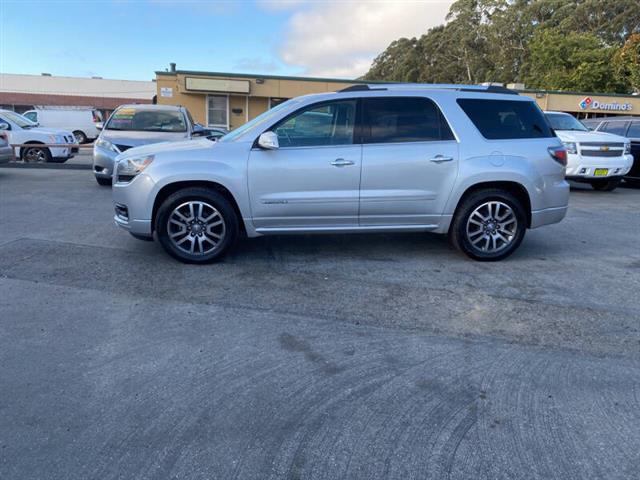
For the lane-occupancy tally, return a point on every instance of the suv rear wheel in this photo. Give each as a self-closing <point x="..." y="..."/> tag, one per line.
<point x="606" y="185"/>
<point x="197" y="225"/>
<point x="489" y="225"/>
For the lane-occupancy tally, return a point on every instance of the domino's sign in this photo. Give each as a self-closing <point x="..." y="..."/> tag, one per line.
<point x="589" y="103"/>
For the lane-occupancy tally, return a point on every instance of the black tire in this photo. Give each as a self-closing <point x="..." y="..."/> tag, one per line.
<point x="459" y="237"/>
<point x="606" y="185"/>
<point x="632" y="182"/>
<point x="213" y="199"/>
<point x="105" y="182"/>
<point x="80" y="136"/>
<point x="35" y="154"/>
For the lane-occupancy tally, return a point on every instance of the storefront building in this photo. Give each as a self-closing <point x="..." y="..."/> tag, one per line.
<point x="229" y="100"/>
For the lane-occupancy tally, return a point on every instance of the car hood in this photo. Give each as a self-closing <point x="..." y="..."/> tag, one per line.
<point x="48" y="131"/>
<point x="168" y="147"/>
<point x="135" y="139"/>
<point x="581" y="137"/>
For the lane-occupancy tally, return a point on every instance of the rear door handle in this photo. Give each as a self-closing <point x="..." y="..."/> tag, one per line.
<point x="341" y="162"/>
<point x="441" y="159"/>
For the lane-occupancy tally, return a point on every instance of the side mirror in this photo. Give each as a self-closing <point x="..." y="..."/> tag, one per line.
<point x="198" y="131"/>
<point x="99" y="125"/>
<point x="268" y="141"/>
<point x="5" y="126"/>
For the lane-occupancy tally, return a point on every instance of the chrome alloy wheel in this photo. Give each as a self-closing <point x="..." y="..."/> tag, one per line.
<point x="196" y="228"/>
<point x="35" y="155"/>
<point x="492" y="227"/>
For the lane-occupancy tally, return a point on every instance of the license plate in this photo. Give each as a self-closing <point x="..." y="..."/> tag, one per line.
<point x="600" y="172"/>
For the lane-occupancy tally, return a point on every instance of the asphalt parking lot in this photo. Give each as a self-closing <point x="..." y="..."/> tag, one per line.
<point x="305" y="357"/>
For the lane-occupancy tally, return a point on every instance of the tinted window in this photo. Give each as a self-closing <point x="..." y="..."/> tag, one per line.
<point x="327" y="124"/>
<point x="617" y="128"/>
<point x="132" y="119"/>
<point x="504" y="119"/>
<point x="403" y="119"/>
<point x="634" y="130"/>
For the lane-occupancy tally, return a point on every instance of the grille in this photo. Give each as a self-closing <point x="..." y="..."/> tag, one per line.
<point x="123" y="148"/>
<point x="602" y="144"/>
<point x="600" y="153"/>
<point x="122" y="211"/>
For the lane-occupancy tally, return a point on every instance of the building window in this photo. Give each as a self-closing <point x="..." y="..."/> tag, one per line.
<point x="218" y="111"/>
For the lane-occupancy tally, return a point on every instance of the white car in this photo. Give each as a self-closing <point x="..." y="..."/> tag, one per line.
<point x="80" y="121"/>
<point x="21" y="130"/>
<point x="598" y="158"/>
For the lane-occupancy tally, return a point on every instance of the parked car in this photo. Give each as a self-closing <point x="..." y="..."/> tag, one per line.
<point x="598" y="158"/>
<point x="134" y="125"/>
<point x="21" y="130"/>
<point x="5" y="149"/>
<point x="82" y="122"/>
<point x="625" y="126"/>
<point x="212" y="133"/>
<point x="480" y="164"/>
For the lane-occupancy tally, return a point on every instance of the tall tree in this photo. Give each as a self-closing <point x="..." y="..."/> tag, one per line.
<point x="627" y="62"/>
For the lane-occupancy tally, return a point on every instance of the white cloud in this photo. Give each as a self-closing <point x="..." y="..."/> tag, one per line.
<point x="341" y="38"/>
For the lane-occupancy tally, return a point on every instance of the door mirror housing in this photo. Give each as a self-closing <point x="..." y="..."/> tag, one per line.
<point x="5" y="126"/>
<point x="99" y="125"/>
<point x="268" y="141"/>
<point x="199" y="131"/>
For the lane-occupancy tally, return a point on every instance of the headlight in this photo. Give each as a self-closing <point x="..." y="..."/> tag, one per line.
<point x="571" y="147"/>
<point x="107" y="145"/>
<point x="627" y="148"/>
<point x="128" y="168"/>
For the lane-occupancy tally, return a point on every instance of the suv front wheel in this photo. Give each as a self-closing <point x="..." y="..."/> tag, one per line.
<point x="197" y="225"/>
<point x="489" y="225"/>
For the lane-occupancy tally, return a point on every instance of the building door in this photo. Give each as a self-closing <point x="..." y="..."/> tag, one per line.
<point x="218" y="111"/>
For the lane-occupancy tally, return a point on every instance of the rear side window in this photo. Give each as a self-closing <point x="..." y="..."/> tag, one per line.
<point x="617" y="128"/>
<point x="506" y="119"/>
<point x="403" y="119"/>
<point x="634" y="130"/>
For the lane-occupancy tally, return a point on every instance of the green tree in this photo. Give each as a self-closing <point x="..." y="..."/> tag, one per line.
<point x="627" y="62"/>
<point x="570" y="61"/>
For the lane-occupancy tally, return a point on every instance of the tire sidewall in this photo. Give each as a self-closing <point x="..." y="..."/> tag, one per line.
<point x="473" y="202"/>
<point x="83" y="137"/>
<point x="47" y="153"/>
<point x="200" y="194"/>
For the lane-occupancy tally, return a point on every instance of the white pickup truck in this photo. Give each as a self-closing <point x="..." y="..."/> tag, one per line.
<point x="598" y="158"/>
<point x="21" y="130"/>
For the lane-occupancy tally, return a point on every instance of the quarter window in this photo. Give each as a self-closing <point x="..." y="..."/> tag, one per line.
<point x="319" y="125"/>
<point x="217" y="110"/>
<point x="403" y="119"/>
<point x="506" y="119"/>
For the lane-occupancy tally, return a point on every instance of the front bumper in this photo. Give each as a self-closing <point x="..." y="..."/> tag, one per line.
<point x="133" y="205"/>
<point x="580" y="167"/>
<point x="103" y="162"/>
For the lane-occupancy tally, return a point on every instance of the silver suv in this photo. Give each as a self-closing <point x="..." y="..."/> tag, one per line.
<point x="480" y="164"/>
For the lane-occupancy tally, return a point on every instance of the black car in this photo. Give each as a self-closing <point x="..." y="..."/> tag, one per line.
<point x="627" y="127"/>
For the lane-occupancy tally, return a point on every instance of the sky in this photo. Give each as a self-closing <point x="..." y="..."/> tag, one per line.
<point x="131" y="39"/>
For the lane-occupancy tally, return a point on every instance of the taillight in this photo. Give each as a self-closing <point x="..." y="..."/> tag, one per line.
<point x="559" y="154"/>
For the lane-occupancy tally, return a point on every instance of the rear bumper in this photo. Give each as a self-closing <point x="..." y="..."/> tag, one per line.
<point x="547" y="216"/>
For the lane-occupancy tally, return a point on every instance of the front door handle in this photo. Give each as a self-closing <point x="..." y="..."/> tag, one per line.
<point x="441" y="159"/>
<point x="341" y="162"/>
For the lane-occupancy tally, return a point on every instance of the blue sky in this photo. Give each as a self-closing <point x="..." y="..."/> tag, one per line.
<point x="131" y="39"/>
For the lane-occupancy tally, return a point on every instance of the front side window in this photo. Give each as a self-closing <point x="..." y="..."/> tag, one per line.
<point x="617" y="128"/>
<point x="403" y="119"/>
<point x="319" y="125"/>
<point x="142" y="120"/>
<point x="19" y="120"/>
<point x="506" y="119"/>
<point x="217" y="110"/>
<point x="634" y="130"/>
<point x="33" y="116"/>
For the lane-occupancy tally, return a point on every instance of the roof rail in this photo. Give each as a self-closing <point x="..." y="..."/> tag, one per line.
<point x="431" y="86"/>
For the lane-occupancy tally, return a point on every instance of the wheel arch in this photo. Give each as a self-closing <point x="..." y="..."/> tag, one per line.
<point x="173" y="187"/>
<point x="517" y="189"/>
<point x="30" y="142"/>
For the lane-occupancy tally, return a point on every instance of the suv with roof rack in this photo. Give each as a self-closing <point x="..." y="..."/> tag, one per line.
<point x="480" y="164"/>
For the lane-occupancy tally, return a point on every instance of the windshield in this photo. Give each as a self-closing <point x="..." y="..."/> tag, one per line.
<point x="141" y="120"/>
<point x="19" y="120"/>
<point x="561" y="121"/>
<point x="261" y="119"/>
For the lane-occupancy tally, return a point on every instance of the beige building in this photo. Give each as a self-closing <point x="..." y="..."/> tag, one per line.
<point x="229" y="100"/>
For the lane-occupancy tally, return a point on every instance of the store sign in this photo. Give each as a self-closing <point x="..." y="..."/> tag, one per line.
<point x="216" y="85"/>
<point x="166" y="92"/>
<point x="589" y="103"/>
